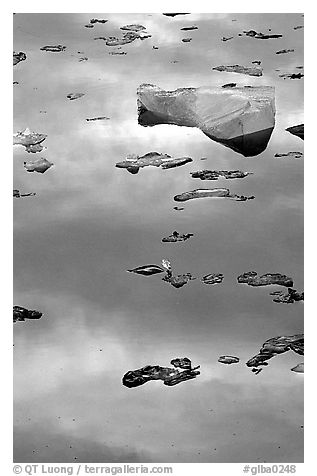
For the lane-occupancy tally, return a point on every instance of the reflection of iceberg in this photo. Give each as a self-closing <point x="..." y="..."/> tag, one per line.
<point x="241" y="118"/>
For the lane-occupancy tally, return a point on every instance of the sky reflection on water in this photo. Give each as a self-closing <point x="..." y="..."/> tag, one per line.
<point x="90" y="222"/>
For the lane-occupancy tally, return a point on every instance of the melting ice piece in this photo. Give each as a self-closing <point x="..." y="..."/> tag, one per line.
<point x="210" y="193"/>
<point x="170" y="376"/>
<point x="216" y="278"/>
<point x="96" y="20"/>
<point x="178" y="208"/>
<point x="252" y="279"/>
<point x="54" y="48"/>
<point x="174" y="14"/>
<point x="236" y="68"/>
<point x="275" y="346"/>
<point x="291" y="75"/>
<point x="38" y="165"/>
<point x="281" y="52"/>
<point x="147" y="270"/>
<point x="224" y="38"/>
<point x="297" y="130"/>
<point x="28" y="138"/>
<point x="293" y="155"/>
<point x="100" y="118"/>
<point x="229" y="85"/>
<point x="17" y="194"/>
<point x="188" y="28"/>
<point x="128" y="37"/>
<point x="134" y="163"/>
<point x="186" y="40"/>
<point x="290" y="297"/>
<point x="73" y="96"/>
<point x="299" y="368"/>
<point x="228" y="359"/>
<point x="261" y="36"/>
<point x="21" y="313"/>
<point x="241" y="118"/>
<point x="177" y="281"/>
<point x="17" y="57"/>
<point x="175" y="236"/>
<point x="216" y="174"/>
<point x="298" y="27"/>
<point x="132" y="27"/>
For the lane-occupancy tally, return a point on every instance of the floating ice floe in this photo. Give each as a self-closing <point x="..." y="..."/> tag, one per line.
<point x="289" y="298"/>
<point x="276" y="346"/>
<point x="252" y="279"/>
<point x="21" y="314"/>
<point x="182" y="370"/>
<point x="216" y="174"/>
<point x="133" y="163"/>
<point x="236" y="68"/>
<point x="212" y="278"/>
<point x="211" y="193"/>
<point x="38" y="165"/>
<point x="228" y="359"/>
<point x="175" y="236"/>
<point x="17" y="57"/>
<point x="54" y="48"/>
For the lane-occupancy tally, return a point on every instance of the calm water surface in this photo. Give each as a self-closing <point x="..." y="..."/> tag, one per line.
<point x="90" y="221"/>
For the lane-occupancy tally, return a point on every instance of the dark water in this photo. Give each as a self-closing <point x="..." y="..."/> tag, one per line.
<point x="91" y="221"/>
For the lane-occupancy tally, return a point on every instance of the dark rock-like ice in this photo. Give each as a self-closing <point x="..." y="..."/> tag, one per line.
<point x="17" y="57"/>
<point x="21" y="314"/>
<point x="252" y="279"/>
<point x="241" y="118"/>
<point x="236" y="68"/>
<point x="210" y="193"/>
<point x="289" y="298"/>
<point x="147" y="270"/>
<point x="224" y="38"/>
<point x="38" y="165"/>
<point x="228" y="359"/>
<point x="133" y="163"/>
<point x="170" y="376"/>
<point x="298" y="27"/>
<point x="186" y="40"/>
<point x="297" y="130"/>
<point x="216" y="174"/>
<point x="212" y="278"/>
<point x="175" y="236"/>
